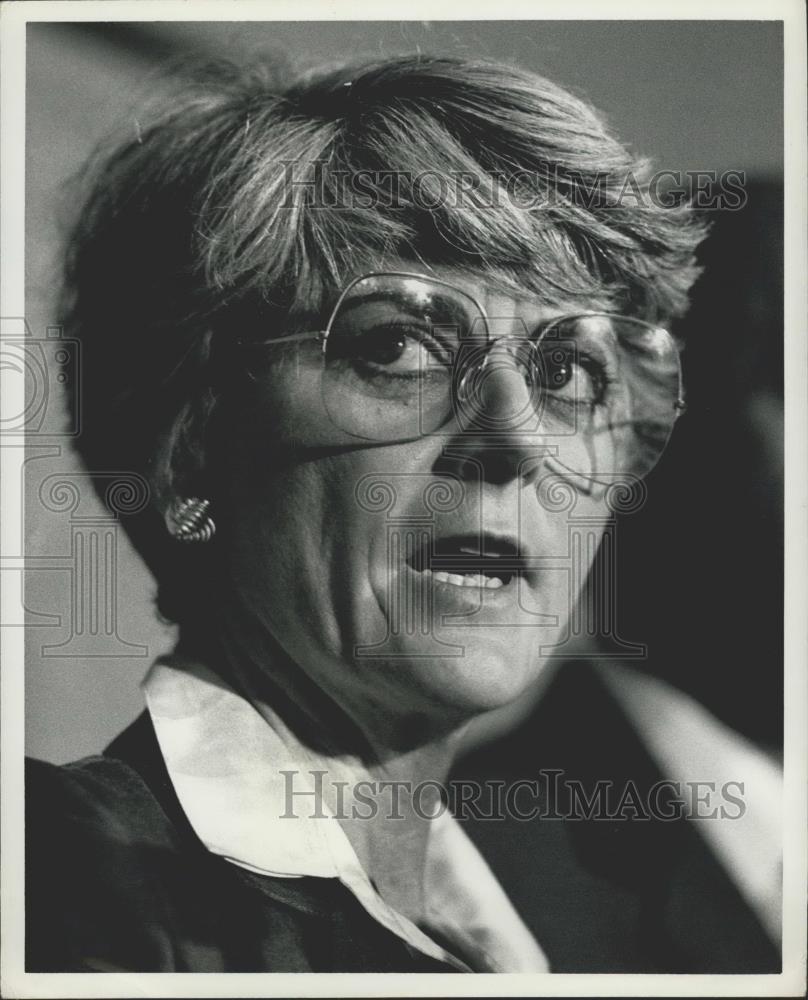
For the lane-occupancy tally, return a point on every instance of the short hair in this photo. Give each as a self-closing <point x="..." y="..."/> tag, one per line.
<point x="202" y="214"/>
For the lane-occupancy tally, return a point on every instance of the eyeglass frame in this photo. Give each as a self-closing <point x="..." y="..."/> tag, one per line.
<point x="679" y="404"/>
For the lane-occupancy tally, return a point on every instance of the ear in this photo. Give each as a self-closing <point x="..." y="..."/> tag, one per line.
<point x="180" y="465"/>
<point x="179" y="460"/>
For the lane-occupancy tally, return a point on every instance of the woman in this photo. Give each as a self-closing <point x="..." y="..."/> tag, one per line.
<point x="363" y="332"/>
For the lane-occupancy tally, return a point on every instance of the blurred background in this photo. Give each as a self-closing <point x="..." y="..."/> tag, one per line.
<point x="700" y="566"/>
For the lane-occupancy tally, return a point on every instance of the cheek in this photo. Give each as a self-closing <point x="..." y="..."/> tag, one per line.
<point x="277" y="547"/>
<point x="569" y="532"/>
<point x="300" y="549"/>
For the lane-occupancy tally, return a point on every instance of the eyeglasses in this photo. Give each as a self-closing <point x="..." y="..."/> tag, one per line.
<point x="403" y="355"/>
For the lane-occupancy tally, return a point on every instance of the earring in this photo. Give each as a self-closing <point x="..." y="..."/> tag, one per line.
<point x="187" y="520"/>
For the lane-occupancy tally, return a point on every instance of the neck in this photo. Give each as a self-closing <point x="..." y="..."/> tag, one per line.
<point x="383" y="776"/>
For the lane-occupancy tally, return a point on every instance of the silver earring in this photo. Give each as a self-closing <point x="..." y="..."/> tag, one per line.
<point x="187" y="520"/>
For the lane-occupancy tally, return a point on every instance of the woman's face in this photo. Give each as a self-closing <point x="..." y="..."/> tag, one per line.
<point x="428" y="578"/>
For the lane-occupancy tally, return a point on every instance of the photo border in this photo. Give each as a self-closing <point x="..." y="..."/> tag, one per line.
<point x="791" y="982"/>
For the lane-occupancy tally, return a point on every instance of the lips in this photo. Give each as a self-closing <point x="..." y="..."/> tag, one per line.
<point x="484" y="560"/>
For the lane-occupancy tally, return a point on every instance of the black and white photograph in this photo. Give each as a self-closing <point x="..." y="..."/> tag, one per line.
<point x="404" y="488"/>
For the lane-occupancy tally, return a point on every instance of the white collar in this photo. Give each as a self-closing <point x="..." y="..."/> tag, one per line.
<point x="225" y="760"/>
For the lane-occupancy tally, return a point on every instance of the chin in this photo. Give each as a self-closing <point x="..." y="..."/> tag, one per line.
<point x="463" y="682"/>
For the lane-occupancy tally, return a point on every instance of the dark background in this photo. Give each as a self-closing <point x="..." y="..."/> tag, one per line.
<point x="700" y="564"/>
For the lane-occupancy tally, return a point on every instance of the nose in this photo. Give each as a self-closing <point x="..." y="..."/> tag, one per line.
<point x="498" y="390"/>
<point x="497" y="416"/>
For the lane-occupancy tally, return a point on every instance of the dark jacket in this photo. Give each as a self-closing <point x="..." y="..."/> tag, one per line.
<point x="117" y="879"/>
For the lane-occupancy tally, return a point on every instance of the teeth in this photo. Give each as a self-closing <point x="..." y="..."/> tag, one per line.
<point x="467" y="580"/>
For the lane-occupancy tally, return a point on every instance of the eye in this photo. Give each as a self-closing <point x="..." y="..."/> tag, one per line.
<point x="570" y="377"/>
<point x="394" y="347"/>
<point x="376" y="337"/>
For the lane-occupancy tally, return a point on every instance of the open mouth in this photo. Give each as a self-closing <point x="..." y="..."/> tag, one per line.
<point x="485" y="560"/>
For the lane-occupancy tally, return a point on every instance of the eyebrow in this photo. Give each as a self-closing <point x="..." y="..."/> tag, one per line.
<point x="437" y="302"/>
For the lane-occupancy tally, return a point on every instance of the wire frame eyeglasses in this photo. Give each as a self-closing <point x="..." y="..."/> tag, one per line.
<point x="404" y="355"/>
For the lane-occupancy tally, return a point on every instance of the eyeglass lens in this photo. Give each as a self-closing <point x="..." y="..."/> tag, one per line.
<point x="405" y="355"/>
